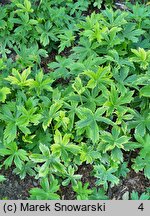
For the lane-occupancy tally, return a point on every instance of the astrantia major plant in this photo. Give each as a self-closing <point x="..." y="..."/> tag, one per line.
<point x="74" y="92"/>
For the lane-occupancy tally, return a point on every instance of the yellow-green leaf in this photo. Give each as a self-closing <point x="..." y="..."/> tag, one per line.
<point x="3" y="93"/>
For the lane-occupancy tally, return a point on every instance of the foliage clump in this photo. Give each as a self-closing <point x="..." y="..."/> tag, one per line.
<point x="49" y="129"/>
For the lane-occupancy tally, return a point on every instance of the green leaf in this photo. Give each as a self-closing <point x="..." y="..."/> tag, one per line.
<point x="71" y="177"/>
<point x="88" y="154"/>
<point x="20" y="80"/>
<point x="10" y="132"/>
<point x="147" y="171"/>
<point x="41" y="83"/>
<point x="82" y="191"/>
<point x="98" y="194"/>
<point x="51" y="114"/>
<point x="117" y="155"/>
<point x="3" y="93"/>
<point x="18" y="162"/>
<point x="45" y="150"/>
<point x="37" y="158"/>
<point x="48" y="190"/>
<point x="51" y="162"/>
<point x="131" y="33"/>
<point x="2" y="178"/>
<point x="18" y="155"/>
<point x="66" y="40"/>
<point x="142" y="57"/>
<point x="135" y="196"/>
<point x="63" y="147"/>
<point x="105" y="175"/>
<point x="145" y="91"/>
<point x="78" y="86"/>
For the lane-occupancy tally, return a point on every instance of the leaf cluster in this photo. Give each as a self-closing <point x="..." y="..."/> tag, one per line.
<point x="49" y="130"/>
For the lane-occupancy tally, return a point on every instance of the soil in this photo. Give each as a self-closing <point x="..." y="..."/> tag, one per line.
<point x="13" y="188"/>
<point x="133" y="182"/>
<point x="3" y="2"/>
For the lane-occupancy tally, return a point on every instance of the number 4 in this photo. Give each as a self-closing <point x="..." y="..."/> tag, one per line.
<point x="141" y="207"/>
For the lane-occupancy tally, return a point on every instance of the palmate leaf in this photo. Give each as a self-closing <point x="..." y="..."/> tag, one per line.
<point x="84" y="50"/>
<point x="9" y="117"/>
<point x="47" y="191"/>
<point x="71" y="177"/>
<point x="118" y="102"/>
<point x="135" y="196"/>
<point x="15" y="154"/>
<point x="71" y="110"/>
<point x="61" y="66"/>
<point x="123" y="78"/>
<point x="98" y="194"/>
<point x="139" y="12"/>
<point x="96" y="33"/>
<point x="90" y="63"/>
<point x="100" y="78"/>
<point x="123" y="170"/>
<point x="105" y="175"/>
<point x="25" y="7"/>
<point x="66" y="39"/>
<point x="113" y="139"/>
<point x="131" y="32"/>
<point x="18" y="117"/>
<point x="142" y="162"/>
<point x="28" y="55"/>
<point x="62" y="120"/>
<point x="88" y="154"/>
<point x="89" y="122"/>
<point x="20" y="80"/>
<point x="50" y="161"/>
<point x="79" y="6"/>
<point x="142" y="57"/>
<point x="111" y="38"/>
<point x="82" y="191"/>
<point x="46" y="32"/>
<point x="92" y="98"/>
<point x="62" y="146"/>
<point x="53" y="111"/>
<point x="90" y="21"/>
<point x="41" y="83"/>
<point x="113" y="56"/>
<point x="140" y="122"/>
<point x="114" y="18"/>
<point x="28" y="116"/>
<point x="98" y="3"/>
<point x="27" y="168"/>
